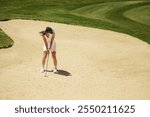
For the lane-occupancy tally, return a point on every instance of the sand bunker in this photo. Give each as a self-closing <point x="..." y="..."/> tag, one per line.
<point x="103" y="64"/>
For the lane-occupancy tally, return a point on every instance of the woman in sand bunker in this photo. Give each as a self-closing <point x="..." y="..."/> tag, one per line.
<point x="49" y="46"/>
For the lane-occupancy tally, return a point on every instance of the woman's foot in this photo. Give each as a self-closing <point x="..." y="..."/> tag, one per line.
<point x="42" y="70"/>
<point x="55" y="70"/>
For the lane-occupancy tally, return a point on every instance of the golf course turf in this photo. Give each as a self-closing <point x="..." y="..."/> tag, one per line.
<point x="126" y="16"/>
<point x="5" y="41"/>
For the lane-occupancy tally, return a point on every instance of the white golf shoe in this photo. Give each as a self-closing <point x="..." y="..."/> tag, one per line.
<point x="42" y="70"/>
<point x="55" y="71"/>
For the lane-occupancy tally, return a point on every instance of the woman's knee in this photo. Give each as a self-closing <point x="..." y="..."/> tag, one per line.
<point x="54" y="55"/>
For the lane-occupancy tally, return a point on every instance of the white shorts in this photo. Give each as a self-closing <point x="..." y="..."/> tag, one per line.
<point x="53" y="48"/>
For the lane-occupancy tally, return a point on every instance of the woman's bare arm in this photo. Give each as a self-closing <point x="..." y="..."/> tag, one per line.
<point x="45" y="42"/>
<point x="52" y="39"/>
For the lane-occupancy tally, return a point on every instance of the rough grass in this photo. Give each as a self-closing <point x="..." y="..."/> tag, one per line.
<point x="5" y="41"/>
<point x="127" y="16"/>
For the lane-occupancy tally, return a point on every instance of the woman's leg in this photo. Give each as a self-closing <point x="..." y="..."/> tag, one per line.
<point x="44" y="60"/>
<point x="44" y="57"/>
<point x="54" y="59"/>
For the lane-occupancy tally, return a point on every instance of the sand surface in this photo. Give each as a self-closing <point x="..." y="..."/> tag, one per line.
<point x="103" y="64"/>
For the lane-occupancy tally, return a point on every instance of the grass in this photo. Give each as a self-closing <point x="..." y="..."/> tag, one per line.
<point x="127" y="16"/>
<point x="5" y="41"/>
<point x="144" y="12"/>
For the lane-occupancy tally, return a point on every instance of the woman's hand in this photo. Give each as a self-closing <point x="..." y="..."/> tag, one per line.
<point x="47" y="51"/>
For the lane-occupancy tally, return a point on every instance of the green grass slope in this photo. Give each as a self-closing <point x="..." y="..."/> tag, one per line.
<point x="126" y="16"/>
<point x="5" y="41"/>
<point x="139" y="14"/>
<point x="116" y="13"/>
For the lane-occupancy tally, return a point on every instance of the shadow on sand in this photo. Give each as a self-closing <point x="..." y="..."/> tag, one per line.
<point x="61" y="72"/>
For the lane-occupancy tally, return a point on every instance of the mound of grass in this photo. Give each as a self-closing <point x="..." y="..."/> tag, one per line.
<point x="139" y="14"/>
<point x="116" y="14"/>
<point x="126" y="16"/>
<point x="5" y="41"/>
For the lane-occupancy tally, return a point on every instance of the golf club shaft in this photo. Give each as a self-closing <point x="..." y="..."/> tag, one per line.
<point x="46" y="65"/>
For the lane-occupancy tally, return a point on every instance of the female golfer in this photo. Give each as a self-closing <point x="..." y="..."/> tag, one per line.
<point x="49" y="46"/>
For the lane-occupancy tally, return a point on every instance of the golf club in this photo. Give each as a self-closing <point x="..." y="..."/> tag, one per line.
<point x="45" y="75"/>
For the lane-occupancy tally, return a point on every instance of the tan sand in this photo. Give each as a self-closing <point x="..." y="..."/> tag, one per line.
<point x="103" y="64"/>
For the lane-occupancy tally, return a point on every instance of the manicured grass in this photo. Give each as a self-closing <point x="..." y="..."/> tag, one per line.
<point x="139" y="14"/>
<point x="5" y="41"/>
<point x="126" y="16"/>
<point x="113" y="14"/>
